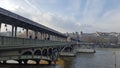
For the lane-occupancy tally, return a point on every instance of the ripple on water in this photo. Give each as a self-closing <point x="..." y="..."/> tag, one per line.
<point x="103" y="58"/>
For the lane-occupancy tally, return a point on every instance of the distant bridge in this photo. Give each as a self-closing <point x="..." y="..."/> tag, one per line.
<point x="45" y="44"/>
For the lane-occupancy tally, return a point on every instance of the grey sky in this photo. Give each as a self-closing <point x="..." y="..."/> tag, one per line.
<point x="69" y="15"/>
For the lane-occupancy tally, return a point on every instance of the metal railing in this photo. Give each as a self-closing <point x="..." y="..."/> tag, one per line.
<point x="14" y="41"/>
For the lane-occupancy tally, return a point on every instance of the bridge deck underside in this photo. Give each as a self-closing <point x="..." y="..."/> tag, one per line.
<point x="16" y="57"/>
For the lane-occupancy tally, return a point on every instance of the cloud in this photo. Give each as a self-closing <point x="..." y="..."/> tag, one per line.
<point x="111" y="20"/>
<point x="91" y="17"/>
<point x="57" y="22"/>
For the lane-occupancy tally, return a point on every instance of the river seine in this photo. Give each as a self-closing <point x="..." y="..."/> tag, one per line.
<point x="103" y="58"/>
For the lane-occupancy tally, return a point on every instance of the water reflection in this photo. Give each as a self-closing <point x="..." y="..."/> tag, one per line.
<point x="103" y="58"/>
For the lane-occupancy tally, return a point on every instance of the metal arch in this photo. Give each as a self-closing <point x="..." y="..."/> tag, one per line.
<point x="38" y="52"/>
<point x="27" y="53"/>
<point x="49" y="51"/>
<point x="43" y="51"/>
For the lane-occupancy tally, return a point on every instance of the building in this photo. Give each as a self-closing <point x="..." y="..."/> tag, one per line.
<point x="74" y="35"/>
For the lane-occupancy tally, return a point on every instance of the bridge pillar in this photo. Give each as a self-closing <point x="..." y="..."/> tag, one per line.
<point x="36" y="35"/>
<point x="42" y="35"/>
<point x="48" y="36"/>
<point x="26" y="33"/>
<point x="51" y="38"/>
<point x="15" y="31"/>
<point x="49" y="62"/>
<point x="4" y="62"/>
<point x="12" y="30"/>
<point x="56" y="38"/>
<point x="25" y="61"/>
<point x="20" y="61"/>
<point x="0" y="26"/>
<point x="37" y="61"/>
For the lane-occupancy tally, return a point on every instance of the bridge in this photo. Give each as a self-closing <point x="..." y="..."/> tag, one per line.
<point x="43" y="44"/>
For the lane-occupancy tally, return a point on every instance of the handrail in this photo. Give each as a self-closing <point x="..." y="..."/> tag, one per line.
<point x="8" y="41"/>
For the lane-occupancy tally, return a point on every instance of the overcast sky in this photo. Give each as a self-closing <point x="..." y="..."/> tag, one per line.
<point x="69" y="15"/>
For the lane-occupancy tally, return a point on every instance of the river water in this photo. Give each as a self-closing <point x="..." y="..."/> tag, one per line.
<point x="103" y="58"/>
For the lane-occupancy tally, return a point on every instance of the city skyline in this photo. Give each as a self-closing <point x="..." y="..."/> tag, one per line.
<point x="69" y="15"/>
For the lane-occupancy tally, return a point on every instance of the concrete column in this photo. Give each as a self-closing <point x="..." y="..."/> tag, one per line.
<point x="56" y="38"/>
<point x="42" y="35"/>
<point x="52" y="37"/>
<point x="45" y="36"/>
<point x="4" y="62"/>
<point x="25" y="61"/>
<point x="49" y="62"/>
<point x="59" y="38"/>
<point x="36" y="35"/>
<point x="26" y="33"/>
<point x="20" y="61"/>
<point x="37" y="61"/>
<point x="48" y="36"/>
<point x="64" y="39"/>
<point x="15" y="31"/>
<point x="0" y="27"/>
<point x="12" y="30"/>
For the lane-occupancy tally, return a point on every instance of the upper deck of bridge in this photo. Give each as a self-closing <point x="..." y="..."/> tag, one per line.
<point x="10" y="18"/>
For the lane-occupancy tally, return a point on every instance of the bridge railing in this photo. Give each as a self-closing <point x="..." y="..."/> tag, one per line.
<point x="9" y="41"/>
